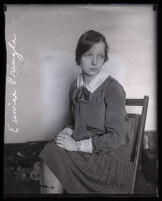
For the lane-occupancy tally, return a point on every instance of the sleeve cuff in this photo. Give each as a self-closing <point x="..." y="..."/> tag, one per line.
<point x="86" y="145"/>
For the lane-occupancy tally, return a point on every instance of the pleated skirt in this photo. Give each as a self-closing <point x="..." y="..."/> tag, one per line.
<point x="82" y="173"/>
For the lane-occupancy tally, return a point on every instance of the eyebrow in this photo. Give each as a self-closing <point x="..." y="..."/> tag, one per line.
<point x="92" y="53"/>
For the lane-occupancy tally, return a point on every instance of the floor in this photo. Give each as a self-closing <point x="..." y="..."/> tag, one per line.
<point x="145" y="186"/>
<point x="13" y="185"/>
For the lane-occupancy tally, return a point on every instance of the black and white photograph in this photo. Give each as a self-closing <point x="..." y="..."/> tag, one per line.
<point x="81" y="100"/>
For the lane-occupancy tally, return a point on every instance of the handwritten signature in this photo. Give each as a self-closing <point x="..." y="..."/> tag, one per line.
<point x="12" y="81"/>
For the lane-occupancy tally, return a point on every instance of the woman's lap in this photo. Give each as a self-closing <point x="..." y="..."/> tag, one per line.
<point x="95" y="171"/>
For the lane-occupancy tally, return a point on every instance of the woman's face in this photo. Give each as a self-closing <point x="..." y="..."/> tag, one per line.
<point x="92" y="61"/>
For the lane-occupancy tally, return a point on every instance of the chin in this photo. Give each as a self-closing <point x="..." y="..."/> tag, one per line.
<point x="91" y="73"/>
<point x="94" y="73"/>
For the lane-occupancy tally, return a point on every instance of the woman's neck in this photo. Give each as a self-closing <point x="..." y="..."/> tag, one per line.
<point x="87" y="79"/>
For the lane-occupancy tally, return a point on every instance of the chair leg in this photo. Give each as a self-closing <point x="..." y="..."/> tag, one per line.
<point x="48" y="181"/>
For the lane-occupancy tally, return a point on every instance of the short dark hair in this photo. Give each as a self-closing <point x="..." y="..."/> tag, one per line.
<point x="86" y="41"/>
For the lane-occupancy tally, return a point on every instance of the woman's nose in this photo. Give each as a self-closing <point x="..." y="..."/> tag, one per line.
<point x="94" y="60"/>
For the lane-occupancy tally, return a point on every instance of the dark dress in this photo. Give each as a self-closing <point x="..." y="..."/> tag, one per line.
<point x="100" y="115"/>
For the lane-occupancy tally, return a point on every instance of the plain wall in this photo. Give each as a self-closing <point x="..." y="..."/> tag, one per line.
<point x="46" y="36"/>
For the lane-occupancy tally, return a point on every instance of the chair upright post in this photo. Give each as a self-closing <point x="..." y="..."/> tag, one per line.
<point x="139" y="139"/>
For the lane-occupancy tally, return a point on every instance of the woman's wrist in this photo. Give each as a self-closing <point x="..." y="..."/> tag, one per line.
<point x="84" y="145"/>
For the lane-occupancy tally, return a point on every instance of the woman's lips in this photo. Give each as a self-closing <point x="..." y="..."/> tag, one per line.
<point x="93" y="69"/>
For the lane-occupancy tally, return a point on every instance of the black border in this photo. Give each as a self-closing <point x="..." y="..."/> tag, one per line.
<point x="3" y="9"/>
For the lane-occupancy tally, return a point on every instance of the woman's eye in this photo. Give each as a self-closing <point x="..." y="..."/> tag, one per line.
<point x="88" y="55"/>
<point x="101" y="56"/>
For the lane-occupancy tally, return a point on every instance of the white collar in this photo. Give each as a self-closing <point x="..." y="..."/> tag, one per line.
<point x="95" y="83"/>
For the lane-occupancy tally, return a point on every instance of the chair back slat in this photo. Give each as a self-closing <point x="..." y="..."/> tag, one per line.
<point x="134" y="102"/>
<point x="134" y="126"/>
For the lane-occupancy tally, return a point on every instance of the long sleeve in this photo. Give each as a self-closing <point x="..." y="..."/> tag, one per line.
<point x="71" y="120"/>
<point x="70" y="123"/>
<point x="115" y="114"/>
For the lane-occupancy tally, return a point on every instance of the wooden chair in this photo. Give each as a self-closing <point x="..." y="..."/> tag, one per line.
<point x="138" y="122"/>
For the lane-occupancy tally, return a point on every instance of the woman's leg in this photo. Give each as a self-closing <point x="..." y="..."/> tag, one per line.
<point x="48" y="181"/>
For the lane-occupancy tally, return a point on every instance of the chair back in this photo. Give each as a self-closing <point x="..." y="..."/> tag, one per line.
<point x="137" y="122"/>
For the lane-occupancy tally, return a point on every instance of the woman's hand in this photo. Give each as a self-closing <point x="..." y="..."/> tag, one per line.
<point x="65" y="141"/>
<point x="67" y="131"/>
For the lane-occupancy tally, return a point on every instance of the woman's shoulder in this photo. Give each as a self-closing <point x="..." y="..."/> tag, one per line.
<point x="112" y="85"/>
<point x="73" y="85"/>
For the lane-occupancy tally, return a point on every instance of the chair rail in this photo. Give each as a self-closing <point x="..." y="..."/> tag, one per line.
<point x="136" y="102"/>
